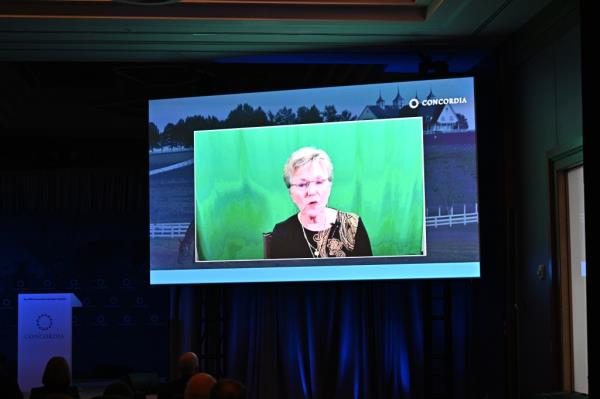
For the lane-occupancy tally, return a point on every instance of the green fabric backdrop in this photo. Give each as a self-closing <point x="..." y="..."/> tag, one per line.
<point x="240" y="193"/>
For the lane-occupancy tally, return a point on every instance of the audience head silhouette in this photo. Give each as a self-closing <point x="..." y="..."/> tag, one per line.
<point x="119" y="390"/>
<point x="188" y="364"/>
<point x="57" y="375"/>
<point x="56" y="381"/>
<point x="199" y="386"/>
<point x="227" y="388"/>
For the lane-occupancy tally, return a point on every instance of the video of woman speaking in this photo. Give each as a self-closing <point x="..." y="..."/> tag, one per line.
<point x="360" y="182"/>
<point x="316" y="191"/>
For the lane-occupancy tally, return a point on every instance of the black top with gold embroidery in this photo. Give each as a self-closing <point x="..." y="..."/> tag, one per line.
<point x="346" y="237"/>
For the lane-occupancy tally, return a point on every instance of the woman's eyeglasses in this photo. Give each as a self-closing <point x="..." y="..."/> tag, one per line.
<point x="303" y="186"/>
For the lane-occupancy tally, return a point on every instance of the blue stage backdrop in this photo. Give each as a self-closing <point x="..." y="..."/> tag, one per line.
<point x="85" y="233"/>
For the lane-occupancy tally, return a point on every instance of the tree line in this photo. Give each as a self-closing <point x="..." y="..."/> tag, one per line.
<point x="244" y="115"/>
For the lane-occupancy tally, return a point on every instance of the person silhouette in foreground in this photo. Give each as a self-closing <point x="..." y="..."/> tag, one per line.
<point x="199" y="386"/>
<point x="187" y="366"/>
<point x="56" y="380"/>
<point x="228" y="388"/>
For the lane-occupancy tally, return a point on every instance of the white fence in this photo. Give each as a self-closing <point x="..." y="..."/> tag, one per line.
<point x="445" y="217"/>
<point x="171" y="167"/>
<point x="168" y="230"/>
<point x="166" y="149"/>
<point x="449" y="218"/>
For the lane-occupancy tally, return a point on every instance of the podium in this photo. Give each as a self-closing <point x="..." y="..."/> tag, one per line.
<point x="44" y="331"/>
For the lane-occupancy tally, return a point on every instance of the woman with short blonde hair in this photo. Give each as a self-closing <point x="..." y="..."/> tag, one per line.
<point x="317" y="230"/>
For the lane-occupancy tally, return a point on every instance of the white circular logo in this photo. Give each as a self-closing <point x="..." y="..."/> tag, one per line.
<point x="414" y="103"/>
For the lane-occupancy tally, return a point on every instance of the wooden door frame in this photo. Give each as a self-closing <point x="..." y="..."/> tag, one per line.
<point x="560" y="161"/>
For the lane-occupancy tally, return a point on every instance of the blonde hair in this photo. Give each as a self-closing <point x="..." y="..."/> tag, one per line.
<point x="304" y="156"/>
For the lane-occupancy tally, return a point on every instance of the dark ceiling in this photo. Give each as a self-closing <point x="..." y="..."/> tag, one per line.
<point x="397" y="33"/>
<point x="95" y="63"/>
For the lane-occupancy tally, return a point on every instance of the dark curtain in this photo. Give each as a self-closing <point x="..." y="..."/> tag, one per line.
<point x="327" y="340"/>
<point x="75" y="191"/>
<point x="84" y="230"/>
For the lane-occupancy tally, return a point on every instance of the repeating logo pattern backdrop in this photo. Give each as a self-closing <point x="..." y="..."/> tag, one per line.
<point x="104" y="263"/>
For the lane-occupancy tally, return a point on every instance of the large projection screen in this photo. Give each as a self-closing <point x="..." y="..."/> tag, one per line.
<point x="404" y="172"/>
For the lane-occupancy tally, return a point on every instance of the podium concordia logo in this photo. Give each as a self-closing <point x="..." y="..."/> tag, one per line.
<point x="44" y="322"/>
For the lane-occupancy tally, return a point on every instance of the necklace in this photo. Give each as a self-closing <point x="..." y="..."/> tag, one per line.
<point x="313" y="250"/>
